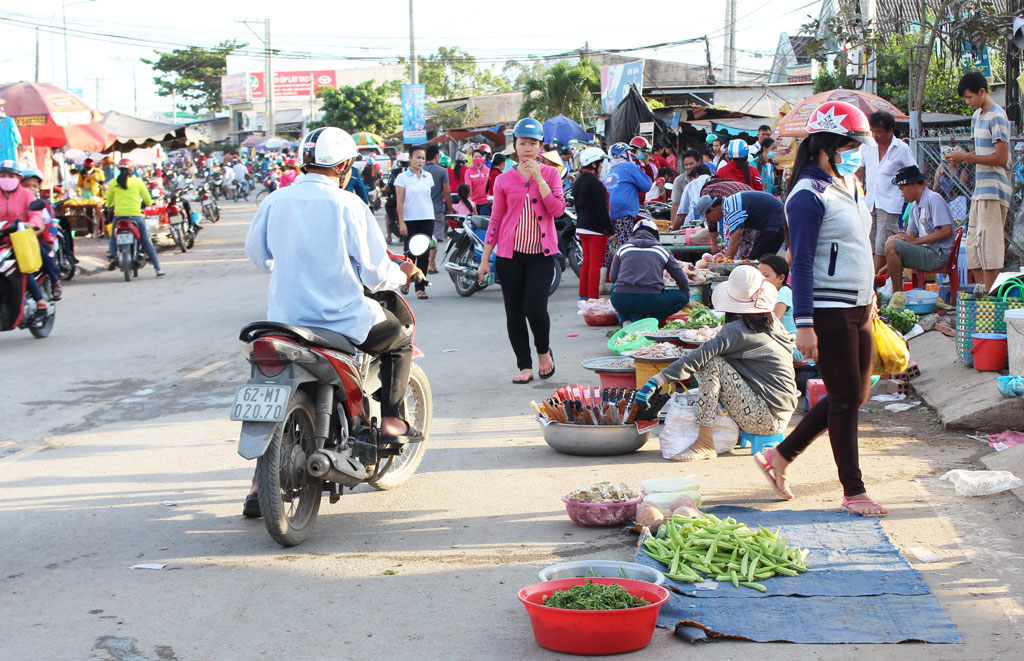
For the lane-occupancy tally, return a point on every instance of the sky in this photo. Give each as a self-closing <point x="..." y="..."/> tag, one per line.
<point x="107" y="38"/>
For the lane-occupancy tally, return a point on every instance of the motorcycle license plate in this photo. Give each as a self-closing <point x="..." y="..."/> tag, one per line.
<point x="207" y="203"/>
<point x="125" y="239"/>
<point x="260" y="403"/>
<point x="176" y="220"/>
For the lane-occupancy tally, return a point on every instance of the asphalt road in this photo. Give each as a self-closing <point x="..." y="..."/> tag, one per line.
<point x="115" y="450"/>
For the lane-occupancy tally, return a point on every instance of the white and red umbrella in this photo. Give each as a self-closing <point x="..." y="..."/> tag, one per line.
<point x="48" y="116"/>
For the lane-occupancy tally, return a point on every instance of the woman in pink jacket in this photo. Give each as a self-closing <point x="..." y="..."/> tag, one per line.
<point x="527" y="199"/>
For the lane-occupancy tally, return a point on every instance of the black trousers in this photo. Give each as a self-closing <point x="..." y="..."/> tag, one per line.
<point x="525" y="282"/>
<point x="845" y="361"/>
<point x="387" y="341"/>
<point x="766" y="243"/>
<point x="414" y="227"/>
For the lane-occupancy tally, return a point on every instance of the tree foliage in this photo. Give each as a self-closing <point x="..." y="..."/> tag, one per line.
<point x="193" y="74"/>
<point x="363" y="107"/>
<point x="454" y="116"/>
<point x="563" y="90"/>
<point x="452" y="72"/>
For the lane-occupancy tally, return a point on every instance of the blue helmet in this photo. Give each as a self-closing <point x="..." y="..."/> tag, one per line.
<point x="10" y="167"/>
<point x="618" y="149"/>
<point x="738" y="149"/>
<point x="528" y="127"/>
<point x="28" y="173"/>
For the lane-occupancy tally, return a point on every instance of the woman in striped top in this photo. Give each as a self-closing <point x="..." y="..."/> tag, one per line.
<point x="527" y="199"/>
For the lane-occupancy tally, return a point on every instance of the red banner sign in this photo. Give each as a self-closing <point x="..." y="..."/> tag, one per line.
<point x="293" y="84"/>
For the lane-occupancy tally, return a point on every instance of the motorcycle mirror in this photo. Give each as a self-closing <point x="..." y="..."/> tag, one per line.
<point x="419" y="244"/>
<point x="36" y="205"/>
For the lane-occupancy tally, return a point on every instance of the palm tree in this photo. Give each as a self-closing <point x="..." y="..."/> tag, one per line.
<point x="563" y="90"/>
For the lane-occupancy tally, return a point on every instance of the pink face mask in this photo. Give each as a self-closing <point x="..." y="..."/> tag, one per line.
<point x="9" y="184"/>
<point x="477" y="162"/>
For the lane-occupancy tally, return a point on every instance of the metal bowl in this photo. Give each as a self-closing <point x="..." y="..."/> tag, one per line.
<point x="595" y="441"/>
<point x="606" y="568"/>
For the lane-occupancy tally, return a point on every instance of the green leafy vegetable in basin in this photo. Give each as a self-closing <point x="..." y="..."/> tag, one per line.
<point x="594" y="597"/>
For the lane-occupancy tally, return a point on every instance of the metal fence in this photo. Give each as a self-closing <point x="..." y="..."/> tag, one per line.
<point x="956" y="184"/>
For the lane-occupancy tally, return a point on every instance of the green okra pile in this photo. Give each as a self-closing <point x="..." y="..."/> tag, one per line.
<point x="725" y="550"/>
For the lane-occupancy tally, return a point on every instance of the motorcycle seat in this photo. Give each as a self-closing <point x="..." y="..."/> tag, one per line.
<point x="479" y="222"/>
<point x="320" y="337"/>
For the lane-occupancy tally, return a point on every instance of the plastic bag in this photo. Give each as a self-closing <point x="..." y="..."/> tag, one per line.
<point x="889" y="349"/>
<point x="1011" y="386"/>
<point x="680" y="431"/>
<point x="595" y="306"/>
<point x="26" y="251"/>
<point x="982" y="483"/>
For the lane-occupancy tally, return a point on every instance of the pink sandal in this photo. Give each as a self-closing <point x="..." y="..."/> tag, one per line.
<point x="551" y="364"/>
<point x="846" y="506"/>
<point x="764" y="462"/>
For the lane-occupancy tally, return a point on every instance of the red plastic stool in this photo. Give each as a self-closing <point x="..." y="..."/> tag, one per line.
<point x="815" y="391"/>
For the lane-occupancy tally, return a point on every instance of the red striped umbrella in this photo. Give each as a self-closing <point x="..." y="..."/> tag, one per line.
<point x="794" y="124"/>
<point x="48" y="116"/>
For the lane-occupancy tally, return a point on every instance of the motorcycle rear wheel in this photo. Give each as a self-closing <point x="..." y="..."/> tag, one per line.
<point x="464" y="285"/>
<point x="556" y="279"/>
<point x="575" y="256"/>
<point x="43" y="330"/>
<point x="262" y="195"/>
<point x="179" y="235"/>
<point x="418" y="410"/>
<point x="289" y="496"/>
<point x="126" y="265"/>
<point x="66" y="268"/>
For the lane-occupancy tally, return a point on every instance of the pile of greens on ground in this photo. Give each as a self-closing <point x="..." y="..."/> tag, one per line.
<point x="901" y="319"/>
<point x="594" y="597"/>
<point x="724" y="550"/>
<point x="701" y="316"/>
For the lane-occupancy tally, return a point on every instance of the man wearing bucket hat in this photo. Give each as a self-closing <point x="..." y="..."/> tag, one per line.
<point x="747" y="213"/>
<point x="747" y="367"/>
<point x="929" y="237"/>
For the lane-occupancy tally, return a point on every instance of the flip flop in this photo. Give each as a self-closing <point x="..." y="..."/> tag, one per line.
<point x="551" y="362"/>
<point x="522" y="382"/>
<point x="846" y="506"/>
<point x="763" y="461"/>
<point x="411" y="435"/>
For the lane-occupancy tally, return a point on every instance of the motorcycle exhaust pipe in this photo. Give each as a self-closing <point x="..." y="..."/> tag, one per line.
<point x="333" y="467"/>
<point x="458" y="269"/>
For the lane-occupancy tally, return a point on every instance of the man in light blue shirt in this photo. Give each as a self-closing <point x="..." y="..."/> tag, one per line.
<point x="322" y="246"/>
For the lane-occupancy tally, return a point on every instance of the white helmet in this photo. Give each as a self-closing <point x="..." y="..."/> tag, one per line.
<point x="403" y="157"/>
<point x="591" y="155"/>
<point x="327" y="146"/>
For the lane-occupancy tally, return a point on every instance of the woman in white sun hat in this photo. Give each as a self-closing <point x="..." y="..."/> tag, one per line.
<point x="747" y="367"/>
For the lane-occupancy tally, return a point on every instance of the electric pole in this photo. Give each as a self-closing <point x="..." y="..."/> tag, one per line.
<point x="412" y="47"/>
<point x="37" y="55"/>
<point x="135" y="86"/>
<point x="268" y="71"/>
<point x="730" y="42"/>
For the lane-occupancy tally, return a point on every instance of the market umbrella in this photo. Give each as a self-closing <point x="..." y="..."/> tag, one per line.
<point x="367" y="138"/>
<point x="563" y="129"/>
<point x="794" y="124"/>
<point x="48" y="116"/>
<point x="272" y="143"/>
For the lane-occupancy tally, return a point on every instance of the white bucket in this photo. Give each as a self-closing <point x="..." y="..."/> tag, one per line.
<point x="1015" y="340"/>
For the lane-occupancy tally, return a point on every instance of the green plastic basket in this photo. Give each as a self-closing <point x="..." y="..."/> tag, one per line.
<point x="643" y="325"/>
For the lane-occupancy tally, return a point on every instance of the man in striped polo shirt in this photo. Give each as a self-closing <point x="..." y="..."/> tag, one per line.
<point x="992" y="191"/>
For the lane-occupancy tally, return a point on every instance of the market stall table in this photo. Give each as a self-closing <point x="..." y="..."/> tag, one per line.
<point x="84" y="216"/>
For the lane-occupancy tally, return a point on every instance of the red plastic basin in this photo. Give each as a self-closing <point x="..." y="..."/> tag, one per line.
<point x="593" y="632"/>
<point x="617" y="379"/>
<point x="601" y="319"/>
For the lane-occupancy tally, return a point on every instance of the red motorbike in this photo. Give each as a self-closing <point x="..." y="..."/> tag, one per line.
<point x="310" y="413"/>
<point x="17" y="307"/>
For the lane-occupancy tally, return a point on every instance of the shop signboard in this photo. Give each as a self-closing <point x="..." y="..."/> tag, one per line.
<point x="615" y="82"/>
<point x="414" y="114"/>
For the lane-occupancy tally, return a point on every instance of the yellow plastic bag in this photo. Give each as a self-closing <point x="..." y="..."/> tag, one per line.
<point x="890" y="351"/>
<point x="26" y="251"/>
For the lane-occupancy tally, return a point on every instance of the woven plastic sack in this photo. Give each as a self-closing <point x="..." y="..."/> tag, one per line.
<point x="890" y="351"/>
<point x="680" y="431"/>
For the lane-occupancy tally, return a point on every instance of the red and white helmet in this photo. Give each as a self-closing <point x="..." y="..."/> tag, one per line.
<point x="640" y="142"/>
<point x="125" y="163"/>
<point x="841" y="118"/>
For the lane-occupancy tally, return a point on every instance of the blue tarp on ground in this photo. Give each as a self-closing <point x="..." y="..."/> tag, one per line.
<point x="858" y="590"/>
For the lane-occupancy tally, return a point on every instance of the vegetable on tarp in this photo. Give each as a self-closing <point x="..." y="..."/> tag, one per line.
<point x="701" y="316"/>
<point x="723" y="550"/>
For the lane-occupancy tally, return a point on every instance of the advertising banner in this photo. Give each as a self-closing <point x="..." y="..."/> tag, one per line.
<point x="615" y="82"/>
<point x="414" y="114"/>
<point x="234" y="88"/>
<point x="295" y="85"/>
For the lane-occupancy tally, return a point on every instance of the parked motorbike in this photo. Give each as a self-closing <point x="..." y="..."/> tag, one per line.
<point x="568" y="242"/>
<point x="179" y="215"/>
<point x="217" y="187"/>
<point x="130" y="254"/>
<point x="17" y="307"/>
<point x="310" y="414"/>
<point x="66" y="265"/>
<point x="466" y="248"/>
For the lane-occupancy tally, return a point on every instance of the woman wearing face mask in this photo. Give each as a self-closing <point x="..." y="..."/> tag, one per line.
<point x="833" y="294"/>
<point x="477" y="176"/>
<point x="14" y="201"/>
<point x="527" y="199"/>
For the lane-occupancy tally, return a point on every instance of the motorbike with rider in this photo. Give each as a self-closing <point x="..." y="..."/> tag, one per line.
<point x="334" y="399"/>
